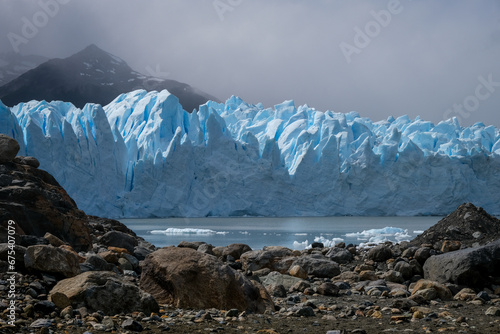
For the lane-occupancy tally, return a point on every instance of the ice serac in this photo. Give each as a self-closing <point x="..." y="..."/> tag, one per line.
<point x="142" y="155"/>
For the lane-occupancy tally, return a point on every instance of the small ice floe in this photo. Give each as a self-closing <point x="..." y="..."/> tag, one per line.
<point x="381" y="235"/>
<point x="326" y="242"/>
<point x="173" y="230"/>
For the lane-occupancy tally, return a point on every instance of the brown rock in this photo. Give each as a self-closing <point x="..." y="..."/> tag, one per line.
<point x="367" y="275"/>
<point x="187" y="278"/>
<point x="418" y="315"/>
<point x="441" y="290"/>
<point x="450" y="246"/>
<point x="118" y="250"/>
<point x="465" y="294"/>
<point x="109" y="256"/>
<point x="328" y="289"/>
<point x="8" y="148"/>
<point x="297" y="271"/>
<point x="51" y="260"/>
<point x="81" y="259"/>
<point x="53" y="240"/>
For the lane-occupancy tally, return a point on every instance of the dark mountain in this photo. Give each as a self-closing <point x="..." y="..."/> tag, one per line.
<point x="12" y="65"/>
<point x="91" y="75"/>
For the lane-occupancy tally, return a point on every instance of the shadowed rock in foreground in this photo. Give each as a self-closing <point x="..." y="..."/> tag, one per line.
<point x="185" y="277"/>
<point x="36" y="202"/>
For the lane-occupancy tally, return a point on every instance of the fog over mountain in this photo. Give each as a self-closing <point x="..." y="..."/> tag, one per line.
<point x="91" y="76"/>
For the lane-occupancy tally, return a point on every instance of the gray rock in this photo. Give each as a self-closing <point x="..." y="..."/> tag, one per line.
<point x="42" y="323"/>
<point x="405" y="269"/>
<point x="340" y="255"/>
<point x="99" y="264"/>
<point x="484" y="296"/>
<point x="318" y="265"/>
<point x="45" y="307"/>
<point x="422" y="254"/>
<point x="303" y="311"/>
<point x="108" y="323"/>
<point x="190" y="244"/>
<point x="235" y="250"/>
<point x="268" y="257"/>
<point x="29" y="161"/>
<point x="119" y="239"/>
<point x="277" y="290"/>
<point x="470" y="267"/>
<point x="206" y="248"/>
<point x="52" y="260"/>
<point x="8" y="148"/>
<point x="393" y="276"/>
<point x="5" y="180"/>
<point x="380" y="253"/>
<point x="409" y="252"/>
<point x="124" y="264"/>
<point x="275" y="279"/>
<point x="32" y="240"/>
<point x="493" y="311"/>
<point x="102" y="291"/>
<point x="141" y="252"/>
<point x="131" y="324"/>
<point x="19" y="254"/>
<point x="131" y="259"/>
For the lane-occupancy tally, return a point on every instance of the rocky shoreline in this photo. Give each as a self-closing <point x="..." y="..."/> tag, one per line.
<point x="75" y="273"/>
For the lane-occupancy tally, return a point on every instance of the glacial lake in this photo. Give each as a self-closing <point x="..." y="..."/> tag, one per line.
<point x="292" y="232"/>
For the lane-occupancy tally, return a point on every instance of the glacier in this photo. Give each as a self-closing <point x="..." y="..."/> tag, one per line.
<point x="142" y="155"/>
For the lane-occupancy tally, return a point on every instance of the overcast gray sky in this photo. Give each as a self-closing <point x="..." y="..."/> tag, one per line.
<point x="379" y="58"/>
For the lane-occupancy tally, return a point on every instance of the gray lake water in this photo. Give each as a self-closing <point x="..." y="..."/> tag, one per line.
<point x="292" y="232"/>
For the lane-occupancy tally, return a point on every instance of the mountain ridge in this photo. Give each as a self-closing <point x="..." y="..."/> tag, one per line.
<point x="92" y="75"/>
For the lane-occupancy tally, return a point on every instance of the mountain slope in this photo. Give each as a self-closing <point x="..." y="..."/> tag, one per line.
<point x="91" y="75"/>
<point x="13" y="65"/>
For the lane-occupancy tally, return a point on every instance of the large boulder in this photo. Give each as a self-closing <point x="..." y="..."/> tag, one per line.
<point x="468" y="224"/>
<point x="102" y="291"/>
<point x="470" y="266"/>
<point x="37" y="204"/>
<point x="190" y="279"/>
<point x="8" y="148"/>
<point x="53" y="260"/>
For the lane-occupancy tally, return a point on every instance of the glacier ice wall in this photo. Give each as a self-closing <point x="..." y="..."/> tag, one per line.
<point x="144" y="156"/>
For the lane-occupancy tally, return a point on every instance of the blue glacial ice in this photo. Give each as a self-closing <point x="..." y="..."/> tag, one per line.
<point x="142" y="155"/>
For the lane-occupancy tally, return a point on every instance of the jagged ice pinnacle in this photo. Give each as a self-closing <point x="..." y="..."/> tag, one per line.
<point x="142" y="155"/>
